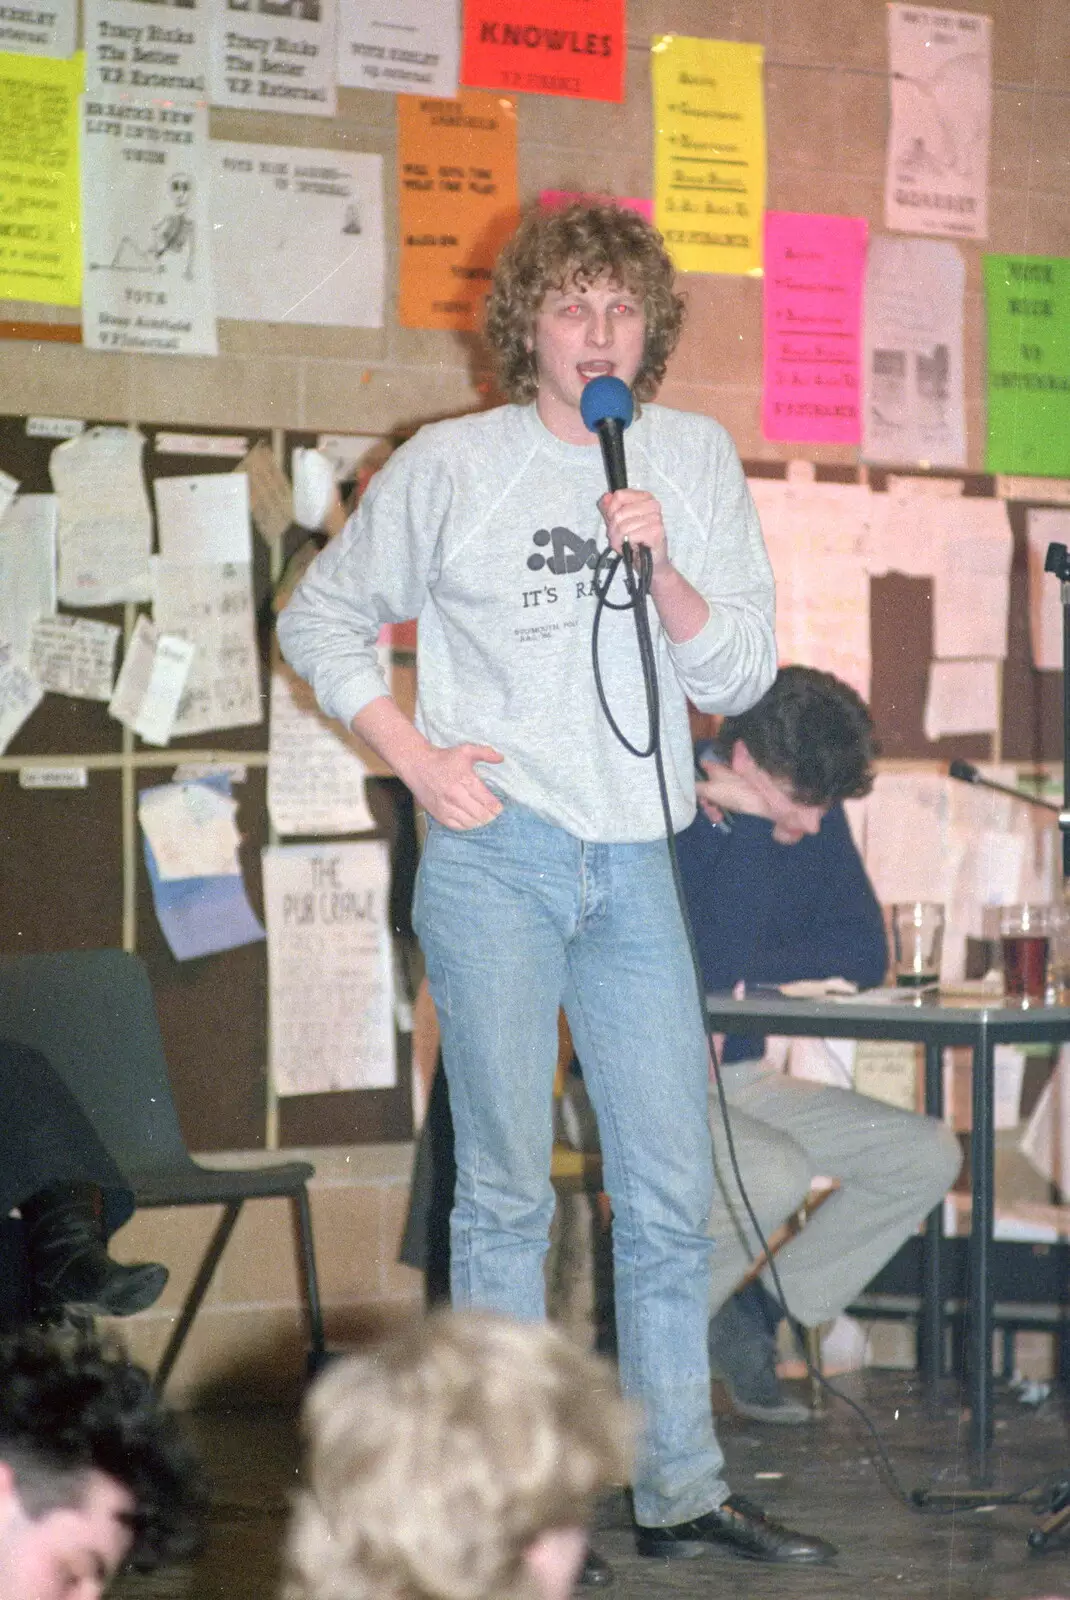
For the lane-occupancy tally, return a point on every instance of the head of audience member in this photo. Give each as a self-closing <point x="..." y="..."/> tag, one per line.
<point x="94" y="1473"/>
<point x="805" y="745"/>
<point x="578" y="291"/>
<point x="457" y="1461"/>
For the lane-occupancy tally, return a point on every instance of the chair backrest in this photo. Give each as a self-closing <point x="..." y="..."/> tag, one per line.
<point x="93" y="1015"/>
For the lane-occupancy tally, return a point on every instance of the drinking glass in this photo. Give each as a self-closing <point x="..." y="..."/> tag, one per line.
<point x="917" y="943"/>
<point x="1024" y="932"/>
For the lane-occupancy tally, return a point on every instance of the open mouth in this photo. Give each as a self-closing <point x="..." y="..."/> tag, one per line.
<point x="595" y="369"/>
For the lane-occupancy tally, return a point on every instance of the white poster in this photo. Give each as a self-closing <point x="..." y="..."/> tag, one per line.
<point x="317" y="217"/>
<point x="274" y="55"/>
<point x="404" y="46"/>
<point x="330" y="967"/>
<point x="817" y="535"/>
<point x="141" y="48"/>
<point x="211" y="605"/>
<point x="972" y="579"/>
<point x="146" y="228"/>
<point x="1044" y="526"/>
<point x="27" y="569"/>
<point x="105" y="525"/>
<point x="936" y="176"/>
<point x="34" y="30"/>
<point x="914" y="407"/>
<point x="315" y="772"/>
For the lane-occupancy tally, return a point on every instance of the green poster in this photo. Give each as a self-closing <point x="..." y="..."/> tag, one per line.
<point x="1028" y="301"/>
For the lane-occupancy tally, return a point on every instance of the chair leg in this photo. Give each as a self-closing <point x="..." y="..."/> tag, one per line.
<point x="312" y="1288"/>
<point x="197" y="1292"/>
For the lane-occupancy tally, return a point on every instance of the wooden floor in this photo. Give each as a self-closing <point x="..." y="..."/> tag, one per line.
<point x="827" y="1483"/>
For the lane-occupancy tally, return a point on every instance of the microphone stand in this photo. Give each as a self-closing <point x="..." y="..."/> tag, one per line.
<point x="1055" y="1523"/>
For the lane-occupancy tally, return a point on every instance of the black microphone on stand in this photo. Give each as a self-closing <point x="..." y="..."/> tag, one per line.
<point x="966" y="772"/>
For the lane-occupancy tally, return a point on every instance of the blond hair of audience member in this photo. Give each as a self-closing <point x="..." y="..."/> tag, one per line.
<point x="457" y="1461"/>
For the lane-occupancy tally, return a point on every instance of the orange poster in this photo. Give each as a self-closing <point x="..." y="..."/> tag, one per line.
<point x="569" y="47"/>
<point x="457" y="204"/>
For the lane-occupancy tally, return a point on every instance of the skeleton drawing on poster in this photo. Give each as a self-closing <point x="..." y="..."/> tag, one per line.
<point x="147" y="270"/>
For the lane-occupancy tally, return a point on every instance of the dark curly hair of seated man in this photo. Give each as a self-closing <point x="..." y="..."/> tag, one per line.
<point x="812" y="729"/>
<point x="95" y="1474"/>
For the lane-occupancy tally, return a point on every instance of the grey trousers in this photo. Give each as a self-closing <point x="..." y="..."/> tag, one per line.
<point x="893" y="1167"/>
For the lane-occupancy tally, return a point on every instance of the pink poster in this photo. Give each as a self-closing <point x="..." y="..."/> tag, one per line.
<point x="564" y="197"/>
<point x="814" y="267"/>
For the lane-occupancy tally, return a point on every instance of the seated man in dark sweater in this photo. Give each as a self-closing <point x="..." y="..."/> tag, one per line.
<point x="777" y="892"/>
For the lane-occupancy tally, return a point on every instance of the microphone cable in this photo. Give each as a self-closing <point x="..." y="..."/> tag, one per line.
<point x="637" y="574"/>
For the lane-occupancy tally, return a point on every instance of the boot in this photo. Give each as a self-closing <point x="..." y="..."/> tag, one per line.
<point x="70" y="1268"/>
<point x="743" y="1356"/>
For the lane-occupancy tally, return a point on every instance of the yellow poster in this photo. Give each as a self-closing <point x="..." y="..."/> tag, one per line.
<point x="40" y="242"/>
<point x="709" y="159"/>
<point x="457" y="202"/>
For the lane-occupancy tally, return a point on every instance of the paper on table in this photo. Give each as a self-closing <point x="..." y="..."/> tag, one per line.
<point x="204" y="518"/>
<point x="1046" y="1141"/>
<point x="971" y="579"/>
<point x="150" y="683"/>
<point x="211" y="605"/>
<point x="1043" y="527"/>
<point x="105" y="525"/>
<point x="962" y="697"/>
<point x="27" y="569"/>
<point x="315" y="773"/>
<point x="330" y="967"/>
<point x="191" y="829"/>
<point x="19" y="696"/>
<point x="201" y="916"/>
<point x="71" y="655"/>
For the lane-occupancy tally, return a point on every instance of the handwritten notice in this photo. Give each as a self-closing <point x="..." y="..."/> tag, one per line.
<point x="546" y="47"/>
<point x="278" y="58"/>
<point x="27" y="569"/>
<point x="30" y="30"/>
<point x="816" y="535"/>
<point x="210" y="604"/>
<point x="105" y="526"/>
<point x="150" y="682"/>
<point x="71" y="655"/>
<point x="19" y="696"/>
<point x="914" y="409"/>
<point x="40" y="231"/>
<point x="709" y="158"/>
<point x="457" y="204"/>
<point x="1028" y="307"/>
<point x="131" y="47"/>
<point x="400" y="46"/>
<point x="146" y="227"/>
<point x="315" y="771"/>
<point x="936" y="175"/>
<point x="814" y="266"/>
<point x="330" y="967"/>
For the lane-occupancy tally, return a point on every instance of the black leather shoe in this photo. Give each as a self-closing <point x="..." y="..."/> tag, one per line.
<point x="596" y="1572"/>
<point x="737" y="1525"/>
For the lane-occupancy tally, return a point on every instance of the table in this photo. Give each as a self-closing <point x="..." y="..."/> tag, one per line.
<point x="935" y="1022"/>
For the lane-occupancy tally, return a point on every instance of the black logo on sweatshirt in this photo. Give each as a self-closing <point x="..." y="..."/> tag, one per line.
<point x="571" y="553"/>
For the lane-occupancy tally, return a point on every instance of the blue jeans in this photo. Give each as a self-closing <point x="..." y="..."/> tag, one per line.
<point x="516" y="919"/>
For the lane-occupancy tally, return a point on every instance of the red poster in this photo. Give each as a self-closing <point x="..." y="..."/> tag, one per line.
<point x="567" y="47"/>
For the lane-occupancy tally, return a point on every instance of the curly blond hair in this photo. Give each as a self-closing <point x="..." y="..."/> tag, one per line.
<point x="580" y="243"/>
<point x="436" y="1460"/>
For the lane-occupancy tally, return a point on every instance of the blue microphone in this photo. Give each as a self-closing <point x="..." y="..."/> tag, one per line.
<point x="607" y="408"/>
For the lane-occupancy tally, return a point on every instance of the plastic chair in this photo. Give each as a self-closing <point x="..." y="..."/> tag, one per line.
<point x="92" y="1013"/>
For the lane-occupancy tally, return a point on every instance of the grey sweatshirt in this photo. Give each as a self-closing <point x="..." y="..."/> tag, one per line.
<point x="486" y="528"/>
